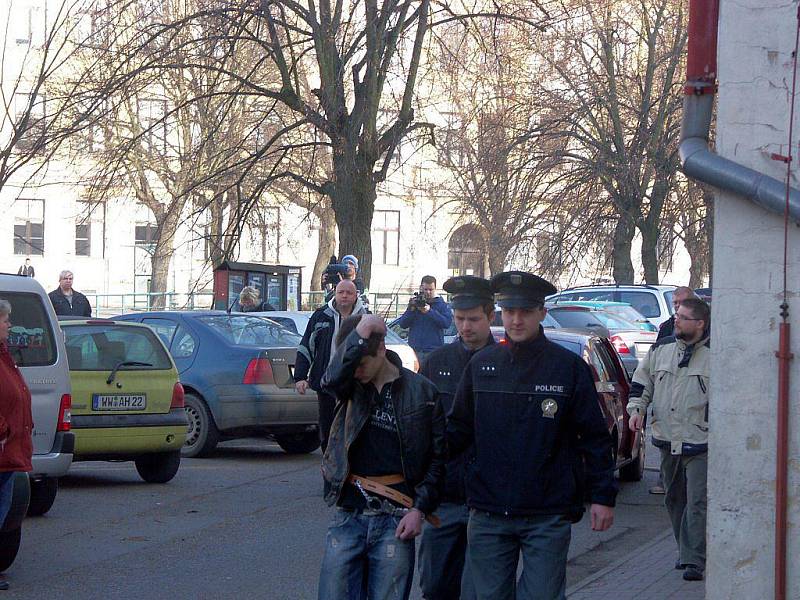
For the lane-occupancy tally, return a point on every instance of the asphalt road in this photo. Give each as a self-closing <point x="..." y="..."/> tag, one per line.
<point x="247" y="523"/>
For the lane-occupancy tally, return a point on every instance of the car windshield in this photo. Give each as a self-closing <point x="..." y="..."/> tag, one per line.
<point x="668" y="297"/>
<point x="575" y="318"/>
<point x="244" y="330"/>
<point x="626" y="312"/>
<point x="644" y="302"/>
<point x="30" y="339"/>
<point x="612" y="321"/>
<point x="103" y="347"/>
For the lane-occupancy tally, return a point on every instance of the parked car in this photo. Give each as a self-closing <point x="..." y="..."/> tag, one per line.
<point x="704" y="294"/>
<point x="297" y="321"/>
<point x="11" y="528"/>
<point x="37" y="346"/>
<point x="613" y="387"/>
<point x="622" y="309"/>
<point x="236" y="370"/>
<point x="127" y="402"/>
<point x="652" y="301"/>
<point x="631" y="342"/>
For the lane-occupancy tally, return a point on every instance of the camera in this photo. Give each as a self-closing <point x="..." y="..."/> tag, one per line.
<point x="418" y="300"/>
<point x="334" y="272"/>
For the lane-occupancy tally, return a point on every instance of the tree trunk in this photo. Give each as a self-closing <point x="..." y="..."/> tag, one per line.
<point x="162" y="255"/>
<point x="497" y="259"/>
<point x="327" y="243"/>
<point x="353" y="200"/>
<point x="650" y="253"/>
<point x="215" y="241"/>
<point x="623" y="265"/>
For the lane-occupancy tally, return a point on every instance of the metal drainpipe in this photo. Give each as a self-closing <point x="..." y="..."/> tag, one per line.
<point x="774" y="195"/>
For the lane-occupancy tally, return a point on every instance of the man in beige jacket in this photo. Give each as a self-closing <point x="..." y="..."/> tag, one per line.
<point x="673" y="381"/>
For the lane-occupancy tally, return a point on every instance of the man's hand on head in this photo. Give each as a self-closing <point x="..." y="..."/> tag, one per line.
<point x="370" y="324"/>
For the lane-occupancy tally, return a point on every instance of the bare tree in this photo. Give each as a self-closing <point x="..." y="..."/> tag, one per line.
<point x="615" y="66"/>
<point x="43" y="101"/>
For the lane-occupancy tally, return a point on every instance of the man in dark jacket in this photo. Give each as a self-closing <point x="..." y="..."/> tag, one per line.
<point x="426" y="318"/>
<point x="530" y="411"/>
<point x="382" y="467"/>
<point x="316" y="349"/>
<point x="442" y="550"/>
<point x="679" y="294"/>
<point x="67" y="301"/>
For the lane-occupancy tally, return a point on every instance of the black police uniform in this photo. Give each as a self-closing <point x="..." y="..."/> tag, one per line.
<point x="443" y="549"/>
<point x="531" y="415"/>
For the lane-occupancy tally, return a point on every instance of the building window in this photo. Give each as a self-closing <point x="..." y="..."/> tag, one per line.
<point x="29" y="122"/>
<point x="146" y="235"/>
<point x="465" y="251"/>
<point x="386" y="236"/>
<point x="83" y="240"/>
<point x="29" y="227"/>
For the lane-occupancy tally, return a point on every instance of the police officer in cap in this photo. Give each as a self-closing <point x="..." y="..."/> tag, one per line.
<point x="443" y="575"/>
<point x="529" y="411"/>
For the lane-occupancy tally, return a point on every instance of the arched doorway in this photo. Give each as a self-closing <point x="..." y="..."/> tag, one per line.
<point x="465" y="252"/>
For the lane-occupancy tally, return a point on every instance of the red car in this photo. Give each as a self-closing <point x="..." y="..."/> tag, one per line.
<point x="613" y="387"/>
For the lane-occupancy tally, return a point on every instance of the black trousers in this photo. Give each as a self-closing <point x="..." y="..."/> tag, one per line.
<point x="327" y="407"/>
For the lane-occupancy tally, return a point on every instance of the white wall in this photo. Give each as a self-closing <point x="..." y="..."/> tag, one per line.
<point x="756" y="39"/>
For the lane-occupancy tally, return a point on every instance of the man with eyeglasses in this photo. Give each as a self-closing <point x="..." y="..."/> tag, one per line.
<point x="673" y="379"/>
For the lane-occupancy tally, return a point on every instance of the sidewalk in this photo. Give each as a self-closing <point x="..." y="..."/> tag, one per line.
<point x="648" y="572"/>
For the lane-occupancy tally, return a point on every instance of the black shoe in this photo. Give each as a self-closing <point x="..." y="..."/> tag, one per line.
<point x="693" y="573"/>
<point x="3" y="585"/>
<point x="679" y="565"/>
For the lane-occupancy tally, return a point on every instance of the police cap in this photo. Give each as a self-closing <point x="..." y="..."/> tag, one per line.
<point x="468" y="291"/>
<point x="516" y="289"/>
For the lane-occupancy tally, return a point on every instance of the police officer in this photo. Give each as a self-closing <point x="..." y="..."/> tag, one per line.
<point x="529" y="410"/>
<point x="443" y="575"/>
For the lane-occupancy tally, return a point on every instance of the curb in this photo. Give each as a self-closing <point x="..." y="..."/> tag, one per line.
<point x="615" y="565"/>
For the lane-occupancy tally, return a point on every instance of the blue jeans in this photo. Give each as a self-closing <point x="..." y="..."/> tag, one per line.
<point x="364" y="560"/>
<point x="6" y="494"/>
<point x="443" y="572"/>
<point x="495" y="542"/>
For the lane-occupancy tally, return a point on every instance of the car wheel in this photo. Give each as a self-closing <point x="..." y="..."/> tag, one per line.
<point x="160" y="467"/>
<point x="9" y="546"/>
<point x="299" y="443"/>
<point x="634" y="470"/>
<point x="202" y="435"/>
<point x="43" y="494"/>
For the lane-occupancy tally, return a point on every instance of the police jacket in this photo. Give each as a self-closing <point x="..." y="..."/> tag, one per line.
<point x="426" y="330"/>
<point x="673" y="379"/>
<point x="444" y="367"/>
<point x="420" y="424"/>
<point x="532" y="412"/>
<point x="314" y="351"/>
<point x="80" y="304"/>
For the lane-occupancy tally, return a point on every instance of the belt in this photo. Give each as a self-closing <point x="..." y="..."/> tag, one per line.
<point x="379" y="485"/>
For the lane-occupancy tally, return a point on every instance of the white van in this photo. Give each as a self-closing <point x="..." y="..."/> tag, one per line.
<point x="36" y="344"/>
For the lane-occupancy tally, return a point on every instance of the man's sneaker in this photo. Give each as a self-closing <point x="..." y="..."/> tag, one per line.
<point x="656" y="489"/>
<point x="679" y="565"/>
<point x="693" y="573"/>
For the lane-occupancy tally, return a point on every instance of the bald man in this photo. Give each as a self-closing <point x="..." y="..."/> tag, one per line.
<point x="316" y="349"/>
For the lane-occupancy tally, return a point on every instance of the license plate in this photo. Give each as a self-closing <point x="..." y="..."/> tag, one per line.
<point x="119" y="401"/>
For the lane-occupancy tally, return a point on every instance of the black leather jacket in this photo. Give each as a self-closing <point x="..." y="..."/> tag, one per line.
<point x="444" y="367"/>
<point x="532" y="412"/>
<point x="420" y="425"/>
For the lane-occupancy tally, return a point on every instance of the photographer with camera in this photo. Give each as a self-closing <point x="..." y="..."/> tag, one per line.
<point x="316" y="349"/>
<point x="339" y="271"/>
<point x="426" y="318"/>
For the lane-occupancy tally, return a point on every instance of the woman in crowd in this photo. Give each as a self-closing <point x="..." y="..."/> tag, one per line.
<point x="16" y="422"/>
